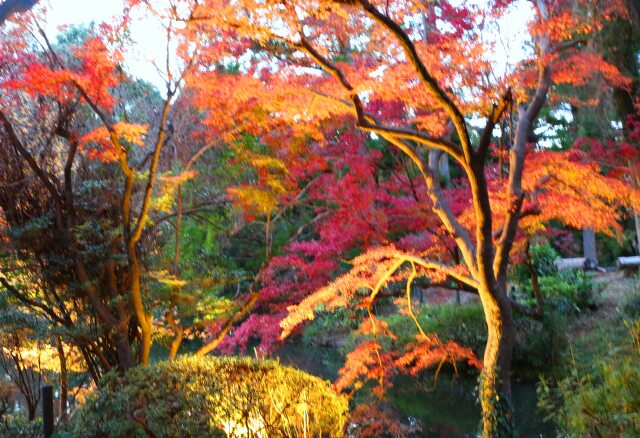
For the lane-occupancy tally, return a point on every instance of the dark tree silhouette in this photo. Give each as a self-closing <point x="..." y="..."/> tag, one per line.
<point x="10" y="7"/>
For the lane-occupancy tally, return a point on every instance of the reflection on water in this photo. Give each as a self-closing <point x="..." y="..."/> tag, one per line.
<point x="450" y="410"/>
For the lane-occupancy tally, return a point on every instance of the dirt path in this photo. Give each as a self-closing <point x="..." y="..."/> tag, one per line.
<point x="615" y="287"/>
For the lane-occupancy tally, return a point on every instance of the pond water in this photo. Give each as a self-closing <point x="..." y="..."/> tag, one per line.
<point x="450" y="410"/>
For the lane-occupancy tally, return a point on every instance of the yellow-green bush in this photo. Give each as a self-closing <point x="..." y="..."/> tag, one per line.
<point x="212" y="396"/>
<point x="604" y="402"/>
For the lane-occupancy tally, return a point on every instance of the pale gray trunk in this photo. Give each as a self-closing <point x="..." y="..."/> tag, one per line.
<point x="443" y="167"/>
<point x="589" y="244"/>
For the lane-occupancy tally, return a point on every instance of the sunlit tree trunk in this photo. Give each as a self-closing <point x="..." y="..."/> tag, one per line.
<point x="178" y="332"/>
<point x="144" y="318"/>
<point x="495" y="380"/>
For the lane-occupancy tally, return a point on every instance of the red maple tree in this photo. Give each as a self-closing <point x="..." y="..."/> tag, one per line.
<point x="313" y="62"/>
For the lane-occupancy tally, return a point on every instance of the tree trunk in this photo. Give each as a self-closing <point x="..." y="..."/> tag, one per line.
<point x="64" y="379"/>
<point x="145" y="320"/>
<point x="445" y="172"/>
<point x="589" y="244"/>
<point x="495" y="380"/>
<point x="31" y="411"/>
<point x="123" y="347"/>
<point x="535" y="284"/>
<point x="178" y="332"/>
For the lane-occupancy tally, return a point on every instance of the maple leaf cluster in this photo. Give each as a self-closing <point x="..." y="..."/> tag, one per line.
<point x="92" y="66"/>
<point x="98" y="144"/>
<point x="618" y="159"/>
<point x="371" y="361"/>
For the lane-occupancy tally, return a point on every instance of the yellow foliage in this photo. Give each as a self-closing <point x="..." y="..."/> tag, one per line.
<point x="166" y="278"/>
<point x="258" y="201"/>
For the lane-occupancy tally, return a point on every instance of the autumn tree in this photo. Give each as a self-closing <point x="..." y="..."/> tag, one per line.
<point x="610" y="130"/>
<point x="26" y="372"/>
<point x="341" y="58"/>
<point x="86" y="178"/>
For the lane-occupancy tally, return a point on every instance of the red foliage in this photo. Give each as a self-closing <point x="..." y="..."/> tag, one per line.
<point x="105" y="151"/>
<point x="374" y="420"/>
<point x="54" y="81"/>
<point x="96" y="73"/>
<point x="369" y="201"/>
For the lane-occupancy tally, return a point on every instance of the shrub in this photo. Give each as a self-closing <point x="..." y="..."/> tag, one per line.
<point x="330" y="327"/>
<point x="537" y="345"/>
<point x="17" y="426"/>
<point x="565" y="291"/>
<point x="463" y="324"/>
<point x="211" y="396"/>
<point x="569" y="291"/>
<point x="602" y="402"/>
<point x="631" y="304"/>
<point x="543" y="260"/>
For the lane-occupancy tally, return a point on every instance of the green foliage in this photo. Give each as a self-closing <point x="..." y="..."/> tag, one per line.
<point x="13" y="320"/>
<point x="631" y="304"/>
<point x="609" y="248"/>
<point x="604" y="401"/>
<point x="538" y="343"/>
<point x="193" y="397"/>
<point x="570" y="291"/>
<point x="563" y="291"/>
<point x="462" y="324"/>
<point x="326" y="326"/>
<point x="14" y="425"/>
<point x="543" y="260"/>
<point x="17" y="426"/>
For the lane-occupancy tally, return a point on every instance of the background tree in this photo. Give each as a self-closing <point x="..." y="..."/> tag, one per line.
<point x="78" y="235"/>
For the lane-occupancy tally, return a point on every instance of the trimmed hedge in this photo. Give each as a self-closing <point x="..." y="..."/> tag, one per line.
<point x="212" y="396"/>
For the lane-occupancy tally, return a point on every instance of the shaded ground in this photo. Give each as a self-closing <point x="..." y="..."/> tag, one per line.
<point x="614" y="287"/>
<point x="594" y="334"/>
